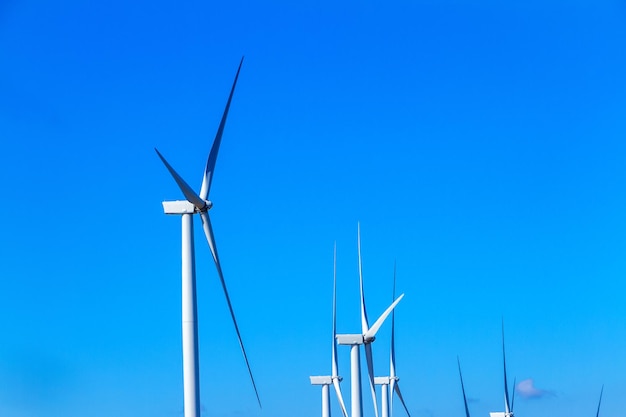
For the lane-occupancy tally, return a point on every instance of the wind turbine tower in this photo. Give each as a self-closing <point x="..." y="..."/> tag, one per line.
<point x="198" y="204"/>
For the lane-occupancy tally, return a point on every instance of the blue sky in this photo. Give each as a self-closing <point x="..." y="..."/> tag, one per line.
<point x="480" y="144"/>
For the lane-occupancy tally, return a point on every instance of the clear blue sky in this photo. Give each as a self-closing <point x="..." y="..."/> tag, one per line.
<point x="481" y="144"/>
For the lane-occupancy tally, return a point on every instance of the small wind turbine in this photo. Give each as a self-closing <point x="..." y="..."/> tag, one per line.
<point x="508" y="405"/>
<point x="600" y="401"/>
<point x="334" y="379"/>
<point x="390" y="383"/>
<point x="467" y="413"/>
<point x="366" y="337"/>
<point x="198" y="203"/>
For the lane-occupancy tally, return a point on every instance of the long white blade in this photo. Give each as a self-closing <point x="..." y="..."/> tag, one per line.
<point x="507" y="407"/>
<point x="190" y="195"/>
<point x="364" y="322"/>
<point x="392" y="361"/>
<point x="374" y="329"/>
<point x="340" y="397"/>
<point x="210" y="163"/>
<point x="334" y="365"/>
<point x="208" y="231"/>
<point x="370" y="373"/>
<point x="397" y="388"/>
<point x="600" y="402"/>
<point x="334" y="354"/>
<point x="467" y="413"/>
<point x="513" y="395"/>
<point x="392" y="354"/>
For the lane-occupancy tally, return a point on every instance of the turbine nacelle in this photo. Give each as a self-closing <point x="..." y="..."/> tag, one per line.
<point x="321" y="380"/>
<point x="184" y="207"/>
<point x="382" y="380"/>
<point x="352" y="339"/>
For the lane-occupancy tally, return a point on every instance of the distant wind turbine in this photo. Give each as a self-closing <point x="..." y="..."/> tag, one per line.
<point x="334" y="379"/>
<point x="394" y="386"/>
<point x="390" y="383"/>
<point x="366" y="337"/>
<point x="198" y="204"/>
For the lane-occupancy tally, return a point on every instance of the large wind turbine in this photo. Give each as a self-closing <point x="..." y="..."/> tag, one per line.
<point x="390" y="383"/>
<point x="508" y="405"/>
<point x="198" y="204"/>
<point x="334" y="379"/>
<point x="366" y="337"/>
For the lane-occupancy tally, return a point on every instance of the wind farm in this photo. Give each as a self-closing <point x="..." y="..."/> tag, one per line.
<point x="477" y="146"/>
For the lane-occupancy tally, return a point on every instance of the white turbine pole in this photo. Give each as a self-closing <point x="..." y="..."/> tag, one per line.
<point x="191" y="386"/>
<point x="325" y="401"/>
<point x="385" y="402"/>
<point x="354" y="341"/>
<point x="356" y="402"/>
<point x="325" y="382"/>
<point x="383" y="381"/>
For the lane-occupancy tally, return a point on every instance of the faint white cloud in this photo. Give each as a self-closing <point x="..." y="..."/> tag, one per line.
<point x="527" y="390"/>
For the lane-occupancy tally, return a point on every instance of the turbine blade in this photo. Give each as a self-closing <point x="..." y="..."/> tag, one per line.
<point x="190" y="195"/>
<point x="210" y="163"/>
<point x="364" y="322"/>
<point x="600" y="401"/>
<point x="340" y="397"/>
<point x="370" y="373"/>
<point x="397" y="388"/>
<point x="506" y="388"/>
<point x="392" y="352"/>
<point x="208" y="231"/>
<point x="513" y="395"/>
<point x="334" y="354"/>
<point x="374" y="329"/>
<point x="467" y="413"/>
<point x="392" y="359"/>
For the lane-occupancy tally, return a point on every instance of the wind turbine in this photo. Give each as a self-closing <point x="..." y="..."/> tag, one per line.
<point x="394" y="386"/>
<point x="390" y="383"/>
<point x="198" y="204"/>
<point x="366" y="337"/>
<point x="334" y="379"/>
<point x="508" y="405"/>
<point x="600" y="401"/>
<point x="467" y="413"/>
